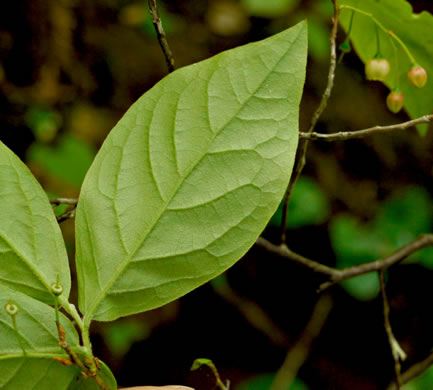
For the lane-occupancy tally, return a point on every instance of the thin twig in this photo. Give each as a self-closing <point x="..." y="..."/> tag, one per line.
<point x="303" y="144"/>
<point x="414" y="371"/>
<point x="59" y="201"/>
<point x="69" y="214"/>
<point x="162" y="38"/>
<point x="298" y="354"/>
<point x="340" y="275"/>
<point x="75" y="358"/>
<point x="283" y="251"/>
<point x="397" y="352"/>
<point x="345" y="135"/>
<point x="398" y="256"/>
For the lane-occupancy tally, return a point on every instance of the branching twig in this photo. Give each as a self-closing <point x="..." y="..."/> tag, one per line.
<point x="397" y="352"/>
<point x="69" y="214"/>
<point x="345" y="135"/>
<point x="297" y="355"/>
<point x="59" y="201"/>
<point x="283" y="251"/>
<point x="303" y="144"/>
<point x="340" y="275"/>
<point x="399" y="255"/>
<point x="162" y="38"/>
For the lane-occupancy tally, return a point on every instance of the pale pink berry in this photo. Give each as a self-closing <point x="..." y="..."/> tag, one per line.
<point x="395" y="101"/>
<point x="417" y="76"/>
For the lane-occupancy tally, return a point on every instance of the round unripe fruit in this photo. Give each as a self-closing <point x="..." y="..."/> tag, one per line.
<point x="377" y="69"/>
<point x="395" y="101"/>
<point x="417" y="76"/>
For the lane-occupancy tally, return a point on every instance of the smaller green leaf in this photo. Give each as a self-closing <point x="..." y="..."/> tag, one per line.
<point x="32" y="251"/>
<point x="28" y="352"/>
<point x="200" y="362"/>
<point x="37" y="334"/>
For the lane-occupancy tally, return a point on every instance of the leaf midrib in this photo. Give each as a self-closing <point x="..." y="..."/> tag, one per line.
<point x="104" y="292"/>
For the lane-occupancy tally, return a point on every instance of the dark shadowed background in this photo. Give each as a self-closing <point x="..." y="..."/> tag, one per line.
<point x="69" y="69"/>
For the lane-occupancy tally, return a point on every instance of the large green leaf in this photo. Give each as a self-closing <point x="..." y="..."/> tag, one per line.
<point x="32" y="252"/>
<point x="189" y="177"/>
<point x="415" y="30"/>
<point x="38" y="336"/>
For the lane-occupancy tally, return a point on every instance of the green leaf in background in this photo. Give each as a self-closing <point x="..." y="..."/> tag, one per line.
<point x="269" y="8"/>
<point x="400" y="219"/>
<point x="318" y="38"/>
<point x="415" y="30"/>
<point x="120" y="335"/>
<point x="355" y="243"/>
<point x="44" y="122"/>
<point x="308" y="205"/>
<point x="364" y="287"/>
<point x="189" y="177"/>
<point x="421" y="382"/>
<point x="39" y="338"/>
<point x="405" y="216"/>
<point x="32" y="251"/>
<point x="264" y="382"/>
<point x="68" y="160"/>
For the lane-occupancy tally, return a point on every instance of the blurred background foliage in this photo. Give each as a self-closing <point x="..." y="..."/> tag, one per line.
<point x="69" y="69"/>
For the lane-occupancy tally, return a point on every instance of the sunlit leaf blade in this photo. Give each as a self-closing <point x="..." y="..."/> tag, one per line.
<point x="39" y="338"/>
<point x="415" y="30"/>
<point x="189" y="177"/>
<point x="32" y="251"/>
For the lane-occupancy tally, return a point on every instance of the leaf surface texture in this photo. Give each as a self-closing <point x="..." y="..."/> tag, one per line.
<point x="189" y="177"/>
